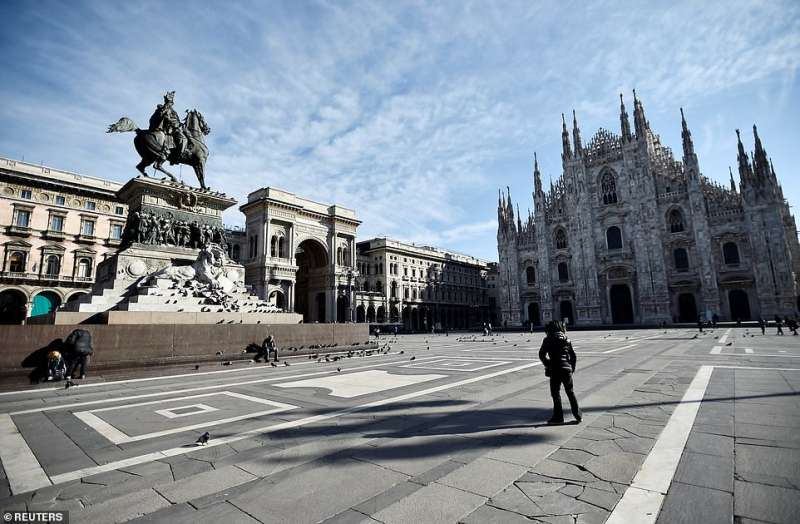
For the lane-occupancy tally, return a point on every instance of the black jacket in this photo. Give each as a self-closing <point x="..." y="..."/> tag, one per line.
<point x="80" y="342"/>
<point x="557" y="353"/>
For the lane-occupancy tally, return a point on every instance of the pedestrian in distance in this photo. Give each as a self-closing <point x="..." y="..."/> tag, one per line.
<point x="267" y="347"/>
<point x="791" y="322"/>
<point x="79" y="345"/>
<point x="700" y="323"/>
<point x="763" y="325"/>
<point x="559" y="362"/>
<point x="714" y="320"/>
<point x="779" y="325"/>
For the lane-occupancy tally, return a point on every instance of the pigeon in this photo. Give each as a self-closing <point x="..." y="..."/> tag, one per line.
<point x="196" y="367"/>
<point x="339" y="369"/>
<point x="729" y="343"/>
<point x="227" y="363"/>
<point x="218" y="353"/>
<point x="413" y="358"/>
<point x="204" y="438"/>
<point x="402" y="352"/>
<point x="68" y="384"/>
<point x="273" y="364"/>
<point x="285" y="363"/>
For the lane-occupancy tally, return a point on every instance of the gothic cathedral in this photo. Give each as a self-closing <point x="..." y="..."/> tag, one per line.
<point x="629" y="235"/>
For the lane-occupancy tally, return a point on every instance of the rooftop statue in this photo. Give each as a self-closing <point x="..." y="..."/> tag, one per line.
<point x="169" y="138"/>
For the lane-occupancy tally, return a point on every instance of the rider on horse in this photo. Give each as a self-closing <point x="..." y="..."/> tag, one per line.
<point x="166" y="119"/>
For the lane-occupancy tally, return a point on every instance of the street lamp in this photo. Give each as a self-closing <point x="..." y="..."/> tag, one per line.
<point x="350" y="294"/>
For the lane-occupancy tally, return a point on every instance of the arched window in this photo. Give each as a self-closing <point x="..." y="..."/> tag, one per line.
<point x="730" y="252"/>
<point x="614" y="238"/>
<point x="394" y="289"/>
<point x="563" y="272"/>
<point x="561" y="239"/>
<point x="85" y="268"/>
<point x="281" y="247"/>
<point x="379" y="286"/>
<point x="675" y="221"/>
<point x="405" y="293"/>
<point x="530" y="275"/>
<point x="681" y="257"/>
<point x="608" y="189"/>
<point x="273" y="246"/>
<point x="365" y="286"/>
<point x="53" y="267"/>
<point x="16" y="263"/>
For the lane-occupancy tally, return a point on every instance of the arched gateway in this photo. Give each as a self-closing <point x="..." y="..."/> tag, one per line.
<point x="303" y="251"/>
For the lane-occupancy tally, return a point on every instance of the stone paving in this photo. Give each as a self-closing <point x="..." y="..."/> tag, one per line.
<point x="457" y="435"/>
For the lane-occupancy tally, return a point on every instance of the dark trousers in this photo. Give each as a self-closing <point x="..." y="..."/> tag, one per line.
<point x="264" y="353"/>
<point x="558" y="378"/>
<point x="78" y="360"/>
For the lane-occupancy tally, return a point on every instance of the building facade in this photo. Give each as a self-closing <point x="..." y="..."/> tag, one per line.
<point x="299" y="254"/>
<point x="420" y="287"/>
<point x="629" y="234"/>
<point x="55" y="228"/>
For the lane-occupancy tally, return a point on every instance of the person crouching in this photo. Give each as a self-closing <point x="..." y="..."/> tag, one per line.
<point x="559" y="361"/>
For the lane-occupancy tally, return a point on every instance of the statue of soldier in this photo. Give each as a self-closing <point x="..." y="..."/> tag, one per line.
<point x="152" y="230"/>
<point x="166" y="119"/>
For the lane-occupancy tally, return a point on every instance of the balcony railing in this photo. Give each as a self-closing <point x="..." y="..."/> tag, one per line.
<point x="51" y="233"/>
<point x="19" y="230"/>
<point x="60" y="279"/>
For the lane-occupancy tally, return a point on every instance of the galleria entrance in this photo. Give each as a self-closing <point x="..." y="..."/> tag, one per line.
<point x="309" y="298"/>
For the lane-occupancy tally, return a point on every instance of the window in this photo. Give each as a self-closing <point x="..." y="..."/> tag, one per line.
<point x="57" y="223"/>
<point x="414" y="294"/>
<point x="116" y="232"/>
<point x="378" y="286"/>
<point x="681" y="257"/>
<point x="60" y="200"/>
<point x="273" y="246"/>
<point x="281" y="247"/>
<point x="405" y="271"/>
<point x="608" y="189"/>
<point x="16" y="263"/>
<point x="530" y="275"/>
<point x="85" y="268"/>
<point x="394" y="289"/>
<point x="87" y="228"/>
<point x="675" y="221"/>
<point x="730" y="252"/>
<point x="23" y="218"/>
<point x="366" y="286"/>
<point x="563" y="272"/>
<point x="561" y="239"/>
<point x="119" y="210"/>
<point x="53" y="266"/>
<point x="91" y="206"/>
<point x="26" y="194"/>
<point x="252" y="246"/>
<point x="614" y="238"/>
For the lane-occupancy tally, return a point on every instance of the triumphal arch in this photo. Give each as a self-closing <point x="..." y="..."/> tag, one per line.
<point x="300" y="254"/>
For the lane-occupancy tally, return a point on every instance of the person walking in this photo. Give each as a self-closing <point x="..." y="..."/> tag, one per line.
<point x="700" y="323"/>
<point x="779" y="325"/>
<point x="763" y="325"/>
<point x="559" y="361"/>
<point x="79" y="345"/>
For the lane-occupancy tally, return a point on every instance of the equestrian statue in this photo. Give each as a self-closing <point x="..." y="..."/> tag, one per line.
<point x="169" y="139"/>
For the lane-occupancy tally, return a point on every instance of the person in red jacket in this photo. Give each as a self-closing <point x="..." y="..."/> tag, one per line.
<point x="559" y="361"/>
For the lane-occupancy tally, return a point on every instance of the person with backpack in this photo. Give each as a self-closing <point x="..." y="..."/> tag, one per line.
<point x="79" y="344"/>
<point x="559" y="361"/>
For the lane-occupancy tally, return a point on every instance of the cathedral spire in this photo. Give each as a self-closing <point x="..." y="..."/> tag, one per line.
<point x="566" y="153"/>
<point x="733" y="183"/>
<point x="537" y="176"/>
<point x="745" y="171"/>
<point x="760" y="162"/>
<point x="688" y="145"/>
<point x="639" y="121"/>
<point x="576" y="135"/>
<point x="624" y="123"/>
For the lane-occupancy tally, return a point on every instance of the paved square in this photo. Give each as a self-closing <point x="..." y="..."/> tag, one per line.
<point x="451" y="364"/>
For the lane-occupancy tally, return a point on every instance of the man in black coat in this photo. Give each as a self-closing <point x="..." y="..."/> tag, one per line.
<point x="79" y="344"/>
<point x="559" y="361"/>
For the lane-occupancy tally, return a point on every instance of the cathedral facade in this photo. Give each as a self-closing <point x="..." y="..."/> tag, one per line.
<point x="630" y="235"/>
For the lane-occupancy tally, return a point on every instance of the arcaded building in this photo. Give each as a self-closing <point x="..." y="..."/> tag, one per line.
<point x="55" y="228"/>
<point x="420" y="287"/>
<point x="629" y="234"/>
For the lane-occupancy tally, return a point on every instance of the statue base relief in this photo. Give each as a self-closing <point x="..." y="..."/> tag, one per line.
<point x="173" y="267"/>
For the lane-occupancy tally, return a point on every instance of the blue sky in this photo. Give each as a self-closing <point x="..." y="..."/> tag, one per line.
<point x="413" y="113"/>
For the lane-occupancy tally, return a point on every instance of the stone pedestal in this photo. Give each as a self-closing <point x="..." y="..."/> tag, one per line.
<point x="168" y="226"/>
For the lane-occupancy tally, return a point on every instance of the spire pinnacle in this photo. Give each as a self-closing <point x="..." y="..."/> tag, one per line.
<point x="733" y="183"/>
<point x="566" y="152"/>
<point x="745" y="171"/>
<point x="624" y="123"/>
<point x="537" y="176"/>
<point x="576" y="134"/>
<point x="639" y="120"/>
<point x="688" y="145"/>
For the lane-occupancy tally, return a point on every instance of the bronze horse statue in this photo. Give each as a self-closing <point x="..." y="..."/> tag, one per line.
<point x="156" y="147"/>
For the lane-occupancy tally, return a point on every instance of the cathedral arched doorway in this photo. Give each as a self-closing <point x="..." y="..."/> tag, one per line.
<point x="739" y="304"/>
<point x="687" y="308"/>
<point x="342" y="308"/>
<point x="276" y="299"/>
<point x="361" y="314"/>
<point x="533" y="314"/>
<point x="566" y="314"/>
<point x="311" y="260"/>
<point x="44" y="303"/>
<point x="621" y="303"/>
<point x="12" y="307"/>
